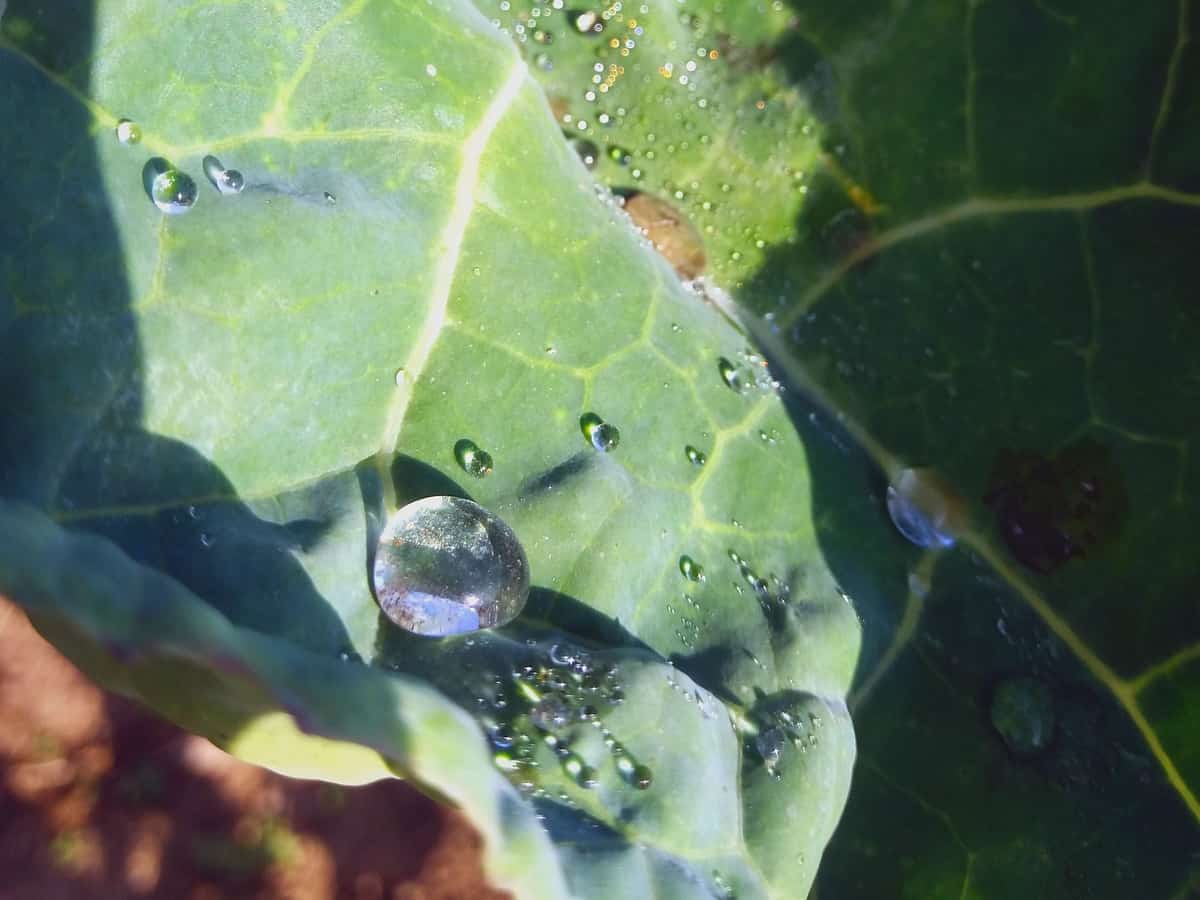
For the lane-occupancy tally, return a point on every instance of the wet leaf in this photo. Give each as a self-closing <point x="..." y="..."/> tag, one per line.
<point x="990" y="276"/>
<point x="214" y="397"/>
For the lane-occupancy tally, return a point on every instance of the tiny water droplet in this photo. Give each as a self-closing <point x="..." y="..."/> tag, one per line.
<point x="431" y="70"/>
<point x="330" y="199"/>
<point x="695" y="457"/>
<point x="206" y="540"/>
<point x="445" y="565"/>
<point x="620" y="155"/>
<point x="400" y="377"/>
<point x="128" y="132"/>
<point x="227" y="181"/>
<point x="690" y="569"/>
<point x="173" y="192"/>
<point x="473" y="460"/>
<point x="603" y="436"/>
<point x="730" y="375"/>
<point x="1023" y="715"/>
<point x="923" y="509"/>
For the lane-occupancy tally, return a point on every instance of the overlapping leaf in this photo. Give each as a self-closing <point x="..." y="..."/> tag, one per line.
<point x="208" y="415"/>
<point x="991" y="274"/>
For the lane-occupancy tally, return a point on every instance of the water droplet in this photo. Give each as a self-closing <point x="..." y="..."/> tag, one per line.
<point x="445" y="565"/>
<point x="1023" y="715"/>
<point x="923" y="509"/>
<point x="588" y="152"/>
<point x="128" y="132"/>
<point x="431" y="70"/>
<point x="583" y="774"/>
<point x="227" y="181"/>
<point x="173" y="192"/>
<point x="587" y="22"/>
<point x="400" y="377"/>
<point x="695" y="457"/>
<point x="550" y="713"/>
<point x="691" y="569"/>
<point x="473" y="460"/>
<point x="769" y="744"/>
<point x="620" y="155"/>
<point x="603" y="436"/>
<point x="206" y="540"/>
<point x="731" y="375"/>
<point x="330" y="199"/>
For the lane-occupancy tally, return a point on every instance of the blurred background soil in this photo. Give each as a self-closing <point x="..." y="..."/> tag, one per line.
<point x="101" y="800"/>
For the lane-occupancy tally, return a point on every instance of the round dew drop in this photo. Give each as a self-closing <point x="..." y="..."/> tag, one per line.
<point x="173" y="192"/>
<point x="128" y="132"/>
<point x="445" y="566"/>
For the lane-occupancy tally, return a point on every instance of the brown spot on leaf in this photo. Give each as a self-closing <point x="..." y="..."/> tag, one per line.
<point x="1051" y="509"/>
<point x="670" y="231"/>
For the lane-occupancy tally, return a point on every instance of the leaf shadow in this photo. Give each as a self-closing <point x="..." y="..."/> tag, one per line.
<point x="72" y="437"/>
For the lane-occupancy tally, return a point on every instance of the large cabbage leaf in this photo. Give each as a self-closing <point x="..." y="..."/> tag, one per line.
<point x="990" y="271"/>
<point x="208" y="416"/>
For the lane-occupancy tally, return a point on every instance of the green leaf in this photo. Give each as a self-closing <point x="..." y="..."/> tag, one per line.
<point x="991" y="274"/>
<point x="208" y="416"/>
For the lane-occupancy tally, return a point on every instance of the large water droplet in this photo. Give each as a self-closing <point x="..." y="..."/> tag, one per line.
<point x="445" y="565"/>
<point x="128" y="132"/>
<point x="923" y="509"/>
<point x="473" y="460"/>
<point x="1023" y="714"/>
<point x="227" y="181"/>
<point x="172" y="191"/>
<point x="603" y="436"/>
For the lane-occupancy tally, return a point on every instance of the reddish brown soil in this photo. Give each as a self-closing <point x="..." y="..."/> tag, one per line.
<point x="100" y="800"/>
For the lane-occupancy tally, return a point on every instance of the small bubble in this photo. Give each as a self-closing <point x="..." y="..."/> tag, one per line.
<point x="603" y="436"/>
<point x="128" y="132"/>
<point x="473" y="460"/>
<point x="690" y="569"/>
<point x="694" y="456"/>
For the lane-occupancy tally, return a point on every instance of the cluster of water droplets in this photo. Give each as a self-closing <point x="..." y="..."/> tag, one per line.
<point x="749" y="373"/>
<point x="546" y="705"/>
<point x="779" y="729"/>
